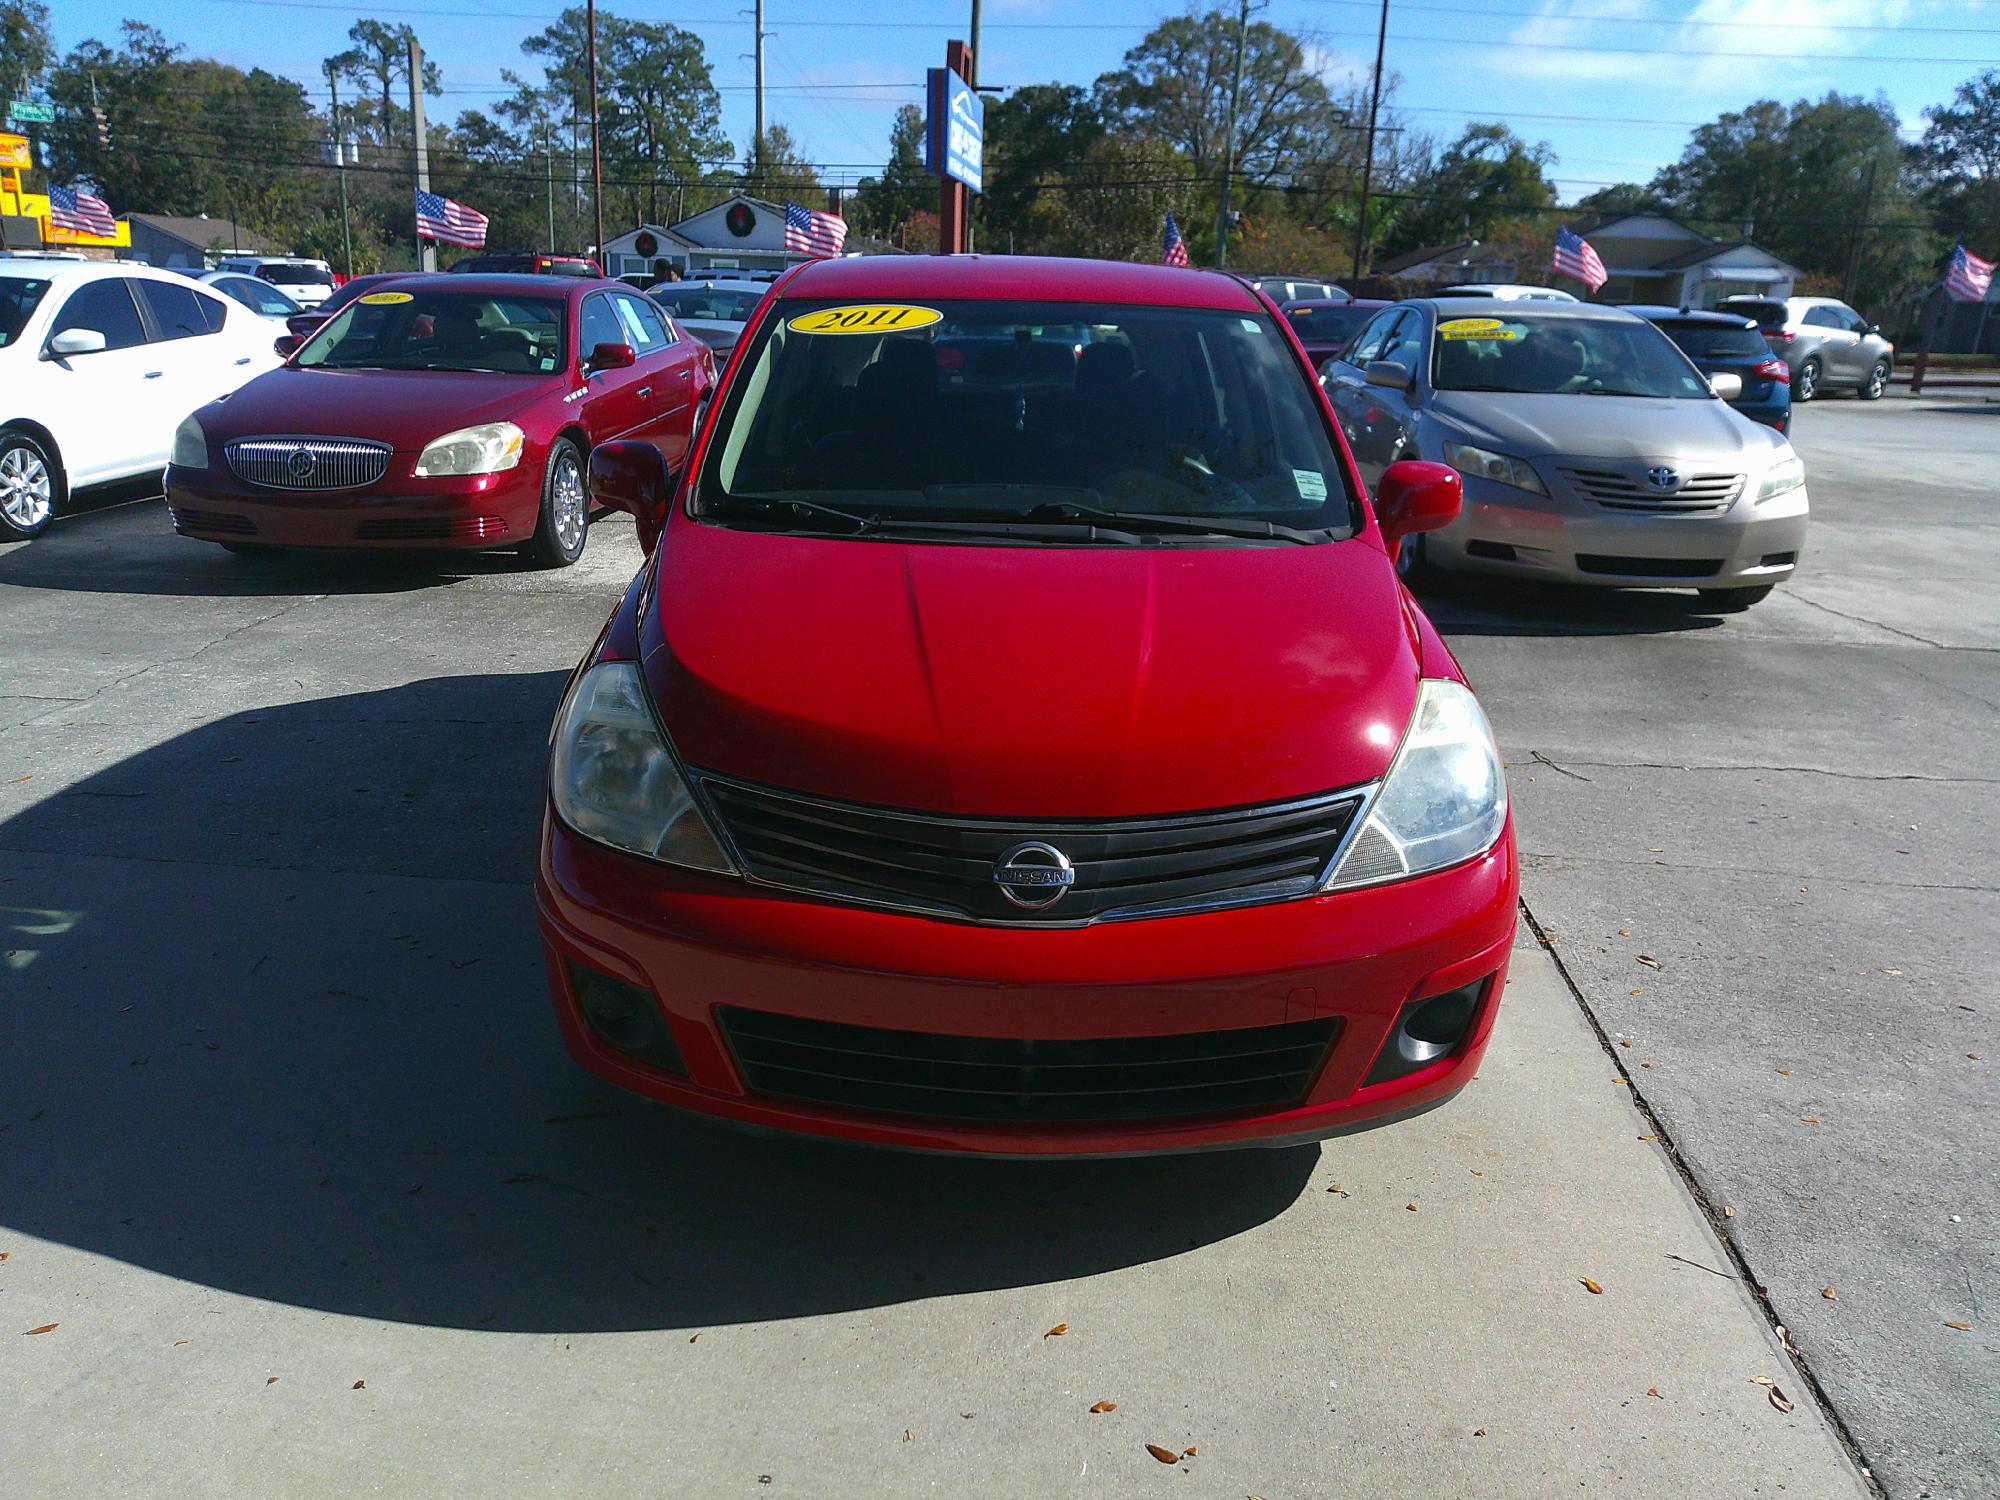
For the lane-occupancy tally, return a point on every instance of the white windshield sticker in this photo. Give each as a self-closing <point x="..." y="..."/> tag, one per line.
<point x="1311" y="485"/>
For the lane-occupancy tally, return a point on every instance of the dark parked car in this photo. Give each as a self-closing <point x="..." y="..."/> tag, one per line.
<point x="526" y="263"/>
<point x="1724" y="342"/>
<point x="1325" y="324"/>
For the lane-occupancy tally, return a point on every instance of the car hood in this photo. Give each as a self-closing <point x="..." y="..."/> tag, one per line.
<point x="405" y="408"/>
<point x="1631" y="427"/>
<point x="1031" y="681"/>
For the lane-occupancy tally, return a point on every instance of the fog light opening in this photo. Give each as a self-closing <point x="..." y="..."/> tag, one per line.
<point x="625" y="1018"/>
<point x="1425" y="1031"/>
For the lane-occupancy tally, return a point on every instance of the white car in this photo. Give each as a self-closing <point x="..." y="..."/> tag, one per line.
<point x="714" y="311"/>
<point x="1504" y="291"/>
<point x="307" y="282"/>
<point x="264" y="298"/>
<point x="99" y="362"/>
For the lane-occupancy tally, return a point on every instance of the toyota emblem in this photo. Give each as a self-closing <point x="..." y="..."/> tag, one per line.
<point x="300" y="464"/>
<point x="1663" y="479"/>
<point x="1034" y="875"/>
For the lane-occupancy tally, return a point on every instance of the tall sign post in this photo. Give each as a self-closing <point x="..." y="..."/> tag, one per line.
<point x="427" y="256"/>
<point x="954" y="143"/>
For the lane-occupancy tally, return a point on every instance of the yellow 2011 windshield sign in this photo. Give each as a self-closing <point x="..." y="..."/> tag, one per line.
<point x="868" y="317"/>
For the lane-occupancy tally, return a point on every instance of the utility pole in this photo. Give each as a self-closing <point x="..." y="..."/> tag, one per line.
<point x="596" y="153"/>
<point x="549" y="161"/>
<point x="1860" y="229"/>
<point x="1368" y="165"/>
<point x="1229" y="139"/>
<point x="426" y="251"/>
<point x="339" y="168"/>
<point x="757" y="141"/>
<point x="972" y="78"/>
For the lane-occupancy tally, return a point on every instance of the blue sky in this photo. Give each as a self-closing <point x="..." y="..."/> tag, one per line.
<point x="1612" y="85"/>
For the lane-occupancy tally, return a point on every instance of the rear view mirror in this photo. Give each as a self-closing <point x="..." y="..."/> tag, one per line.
<point x="1387" y="372"/>
<point x="613" y="357"/>
<point x="1414" y="496"/>
<point x="76" y="341"/>
<point x="632" y="477"/>
<point x="1726" y="385"/>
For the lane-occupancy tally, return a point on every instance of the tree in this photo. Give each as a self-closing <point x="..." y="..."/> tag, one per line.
<point x="1624" y="198"/>
<point x="1113" y="203"/>
<point x="778" y="169"/>
<point x="1958" y="164"/>
<point x="25" y="47"/>
<point x="883" y="205"/>
<point x="1032" y="134"/>
<point x="375" y="66"/>
<point x="1487" y="179"/>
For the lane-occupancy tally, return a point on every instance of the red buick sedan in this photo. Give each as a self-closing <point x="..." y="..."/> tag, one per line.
<point x="441" y="411"/>
<point x="1042" y="763"/>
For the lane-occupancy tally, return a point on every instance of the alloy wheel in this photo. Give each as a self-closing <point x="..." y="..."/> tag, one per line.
<point x="1808" y="382"/>
<point x="26" y="491"/>
<point x="568" y="507"/>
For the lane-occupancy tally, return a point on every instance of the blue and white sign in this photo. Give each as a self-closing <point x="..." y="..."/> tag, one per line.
<point x="955" y="142"/>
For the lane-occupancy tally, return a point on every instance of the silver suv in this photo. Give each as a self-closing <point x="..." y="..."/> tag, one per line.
<point x="1824" y="343"/>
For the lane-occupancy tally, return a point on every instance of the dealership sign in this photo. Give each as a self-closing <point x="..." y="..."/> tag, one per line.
<point x="955" y="142"/>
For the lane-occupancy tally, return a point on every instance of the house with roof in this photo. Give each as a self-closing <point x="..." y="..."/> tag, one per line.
<point x="745" y="233"/>
<point x="1652" y="257"/>
<point x="1416" y="272"/>
<point x="178" y="242"/>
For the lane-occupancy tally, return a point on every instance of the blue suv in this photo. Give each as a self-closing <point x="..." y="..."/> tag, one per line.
<point x="1726" y="343"/>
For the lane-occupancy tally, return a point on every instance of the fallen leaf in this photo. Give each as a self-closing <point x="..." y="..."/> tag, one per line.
<point x="1779" y="1399"/>
<point x="1973" y="1055"/>
<point x="6" y="1254"/>
<point x="1645" y="1065"/>
<point x="1191" y="1452"/>
<point x="1784" y="1072"/>
<point x="19" y="779"/>
<point x="1949" y="1323"/>
<point x="1646" y="1138"/>
<point x="1649" y="961"/>
<point x="1103" y="1406"/>
<point x="1762" y="1380"/>
<point x="1624" y="1044"/>
<point x="359" y="1385"/>
<point x="270" y="1380"/>
<point x="1829" y="1293"/>
<point x="1653" y="1390"/>
<point x="1892" y="971"/>
<point x="1591" y="1287"/>
<point x="1624" y="932"/>
<point x="1479" y="1432"/>
<point x="906" y="1434"/>
<point x="179" y="1342"/>
<point x="1477" y="1173"/>
<point x="1337" y="1188"/>
<point x="1411" y="1207"/>
<point x="45" y="1328"/>
<point x="1057" y="1332"/>
<point x="1164" y="1455"/>
<point x="1637" y="993"/>
<point x="1809" y="1119"/>
<point x="1728" y="1212"/>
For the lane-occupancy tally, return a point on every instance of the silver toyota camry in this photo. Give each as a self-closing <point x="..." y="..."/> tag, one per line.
<point x="1593" y="451"/>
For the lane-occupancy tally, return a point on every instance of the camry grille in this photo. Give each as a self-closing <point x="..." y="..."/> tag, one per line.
<point x="280" y="463"/>
<point x="1627" y="488"/>
<point x="950" y="866"/>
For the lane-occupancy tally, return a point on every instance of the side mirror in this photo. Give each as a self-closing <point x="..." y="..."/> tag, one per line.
<point x="1387" y="372"/>
<point x="304" y="325"/>
<point x="1726" y="385"/>
<point x="287" y="344"/>
<point x="612" y="357"/>
<point x="1413" y="495"/>
<point x="76" y="341"/>
<point x="1873" y="330"/>
<point x="632" y="477"/>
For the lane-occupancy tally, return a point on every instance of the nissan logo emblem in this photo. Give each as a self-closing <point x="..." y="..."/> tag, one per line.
<point x="300" y="464"/>
<point x="1664" y="479"/>
<point x="1034" y="875"/>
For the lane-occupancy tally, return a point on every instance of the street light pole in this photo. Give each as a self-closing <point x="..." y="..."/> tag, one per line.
<point x="596" y="154"/>
<point x="1229" y="139"/>
<point x="1368" y="166"/>
<point x="426" y="251"/>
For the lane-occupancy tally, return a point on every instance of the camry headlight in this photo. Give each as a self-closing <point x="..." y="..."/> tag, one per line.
<point x="1503" y="468"/>
<point x="614" y="779"/>
<point x="485" y="449"/>
<point x="1444" y="800"/>
<point x="190" y="450"/>
<point x="1784" y="476"/>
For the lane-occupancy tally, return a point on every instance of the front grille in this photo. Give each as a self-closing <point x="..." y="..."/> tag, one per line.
<point x="430" y="529"/>
<point x="1626" y="489"/>
<point x="212" y="521"/>
<point x="1650" y="567"/>
<point x="945" y="866"/>
<point x="307" y="463"/>
<point x="1006" y="1081"/>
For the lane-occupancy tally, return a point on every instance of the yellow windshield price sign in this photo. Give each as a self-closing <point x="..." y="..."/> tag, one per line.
<point x="867" y="317"/>
<point x="381" y="299"/>
<point x="1476" y="328"/>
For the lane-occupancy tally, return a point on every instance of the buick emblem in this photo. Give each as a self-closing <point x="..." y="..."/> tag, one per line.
<point x="300" y="464"/>
<point x="1034" y="875"/>
<point x="1663" y="479"/>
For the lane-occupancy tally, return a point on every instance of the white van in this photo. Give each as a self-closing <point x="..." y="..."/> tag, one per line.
<point x="306" y="282"/>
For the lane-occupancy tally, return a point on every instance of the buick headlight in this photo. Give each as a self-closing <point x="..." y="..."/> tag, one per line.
<point x="1444" y="800"/>
<point x="614" y="779"/>
<point x="1784" y="476"/>
<point x="485" y="449"/>
<point x="190" y="450"/>
<point x="1502" y="468"/>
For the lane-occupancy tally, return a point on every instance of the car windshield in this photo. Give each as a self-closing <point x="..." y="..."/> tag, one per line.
<point x="1162" y="421"/>
<point x="441" y="330"/>
<point x="1538" y="354"/>
<point x="712" y="304"/>
<point x="1715" y="341"/>
<point x="1766" y="314"/>
<point x="19" y="297"/>
<point x="1327" y="325"/>
<point x="296" y="275"/>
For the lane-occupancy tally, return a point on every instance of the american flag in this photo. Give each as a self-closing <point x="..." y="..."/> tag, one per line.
<point x="1575" y="258"/>
<point x="812" y="233"/>
<point x="449" y="223"/>
<point x="1968" y="278"/>
<point x="73" y="209"/>
<point x="1173" y="249"/>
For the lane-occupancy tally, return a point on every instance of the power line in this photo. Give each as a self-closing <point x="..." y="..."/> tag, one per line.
<point x="1671" y="22"/>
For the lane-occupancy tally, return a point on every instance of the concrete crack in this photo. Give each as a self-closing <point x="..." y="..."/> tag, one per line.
<point x="1908" y="635"/>
<point x="1658" y="765"/>
<point x="1807" y="875"/>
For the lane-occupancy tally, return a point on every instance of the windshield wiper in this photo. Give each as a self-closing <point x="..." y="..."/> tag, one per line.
<point x="877" y="524"/>
<point x="1644" y="395"/>
<point x="1161" y="521"/>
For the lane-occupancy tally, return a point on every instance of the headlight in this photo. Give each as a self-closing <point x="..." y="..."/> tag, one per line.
<point x="614" y="779"/>
<point x="1444" y="800"/>
<point x="1503" y="468"/>
<point x="1784" y="476"/>
<point x="190" y="450"/>
<point x="485" y="449"/>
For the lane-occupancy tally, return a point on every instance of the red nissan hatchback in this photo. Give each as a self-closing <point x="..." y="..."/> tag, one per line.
<point x="1018" y="740"/>
<point x="440" y="411"/>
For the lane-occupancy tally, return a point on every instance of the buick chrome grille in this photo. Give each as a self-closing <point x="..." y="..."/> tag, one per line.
<point x="307" y="463"/>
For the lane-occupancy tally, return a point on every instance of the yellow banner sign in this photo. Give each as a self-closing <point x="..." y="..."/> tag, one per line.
<point x="870" y="317"/>
<point x="16" y="151"/>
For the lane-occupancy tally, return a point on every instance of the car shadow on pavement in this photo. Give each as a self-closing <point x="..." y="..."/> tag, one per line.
<point x="276" y="1025"/>
<point x="1466" y="606"/>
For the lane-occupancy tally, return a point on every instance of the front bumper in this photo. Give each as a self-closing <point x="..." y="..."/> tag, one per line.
<point x="1511" y="533"/>
<point x="700" y="946"/>
<point x="472" y="510"/>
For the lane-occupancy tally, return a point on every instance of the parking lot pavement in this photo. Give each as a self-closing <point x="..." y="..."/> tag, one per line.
<point x="1793" y="814"/>
<point x="292" y="1158"/>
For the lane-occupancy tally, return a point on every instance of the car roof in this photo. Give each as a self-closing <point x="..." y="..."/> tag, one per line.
<point x="705" y="283"/>
<point x="1698" y="315"/>
<point x="1318" y="302"/>
<point x="495" y="282"/>
<point x="1518" y="307"/>
<point x="84" y="270"/>
<point x="1022" y="278"/>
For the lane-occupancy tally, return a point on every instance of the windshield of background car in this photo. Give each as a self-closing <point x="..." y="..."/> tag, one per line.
<point x="1767" y="314"/>
<point x="1527" y="354"/>
<point x="1327" y="325"/>
<point x="441" y="330"/>
<point x="19" y="297"/>
<point x="1712" y="341"/>
<point x="995" y="410"/>
<point x="290" y="275"/>
<point x="707" y="303"/>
